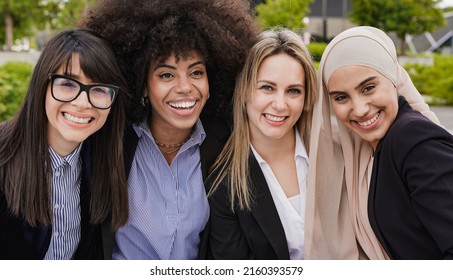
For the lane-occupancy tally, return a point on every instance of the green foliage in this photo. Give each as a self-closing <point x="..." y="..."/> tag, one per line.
<point x="22" y="13"/>
<point x="57" y="14"/>
<point x="436" y="80"/>
<point x="14" y="78"/>
<point x="31" y="15"/>
<point x="283" y="13"/>
<point x="316" y="49"/>
<point x="400" y="16"/>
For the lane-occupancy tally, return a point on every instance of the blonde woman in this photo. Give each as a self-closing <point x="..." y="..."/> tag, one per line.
<point x="258" y="192"/>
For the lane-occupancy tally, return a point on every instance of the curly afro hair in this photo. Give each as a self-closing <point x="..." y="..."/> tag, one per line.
<point x="144" y="31"/>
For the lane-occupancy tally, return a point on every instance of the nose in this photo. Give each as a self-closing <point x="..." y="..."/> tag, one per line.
<point x="279" y="101"/>
<point x="184" y="85"/>
<point x="360" y="107"/>
<point x="82" y="100"/>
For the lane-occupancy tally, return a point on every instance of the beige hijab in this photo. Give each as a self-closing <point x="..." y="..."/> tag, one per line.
<point x="337" y="225"/>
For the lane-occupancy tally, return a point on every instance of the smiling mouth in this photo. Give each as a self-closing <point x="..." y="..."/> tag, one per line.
<point x="182" y="105"/>
<point x="274" y="118"/>
<point x="370" y="121"/>
<point x="75" y="119"/>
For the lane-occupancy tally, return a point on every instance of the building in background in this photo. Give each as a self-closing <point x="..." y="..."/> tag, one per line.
<point x="330" y="17"/>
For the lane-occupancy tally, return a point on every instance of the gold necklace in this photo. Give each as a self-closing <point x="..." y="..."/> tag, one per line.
<point x="174" y="147"/>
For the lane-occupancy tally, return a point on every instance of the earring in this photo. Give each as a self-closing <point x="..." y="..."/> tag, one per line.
<point x="145" y="101"/>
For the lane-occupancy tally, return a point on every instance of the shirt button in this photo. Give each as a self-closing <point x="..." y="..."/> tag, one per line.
<point x="56" y="234"/>
<point x="56" y="206"/>
<point x="57" y="173"/>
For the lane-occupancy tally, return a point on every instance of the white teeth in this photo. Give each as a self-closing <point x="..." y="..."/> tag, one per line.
<point x="369" y="122"/>
<point x="274" y="118"/>
<point x="76" y="119"/>
<point x="183" y="105"/>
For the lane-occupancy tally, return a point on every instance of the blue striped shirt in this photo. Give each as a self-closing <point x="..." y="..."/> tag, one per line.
<point x="66" y="181"/>
<point x="168" y="204"/>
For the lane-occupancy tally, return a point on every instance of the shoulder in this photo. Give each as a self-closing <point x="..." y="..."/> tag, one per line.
<point x="411" y="127"/>
<point x="130" y="139"/>
<point x="413" y="134"/>
<point x="216" y="128"/>
<point x="217" y="133"/>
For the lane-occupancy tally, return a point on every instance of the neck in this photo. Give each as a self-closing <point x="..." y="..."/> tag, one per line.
<point x="274" y="148"/>
<point x="62" y="148"/>
<point x="170" y="136"/>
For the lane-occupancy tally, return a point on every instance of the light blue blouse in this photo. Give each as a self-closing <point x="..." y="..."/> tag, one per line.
<point x="167" y="203"/>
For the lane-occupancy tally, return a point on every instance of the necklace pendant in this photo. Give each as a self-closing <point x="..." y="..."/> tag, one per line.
<point x="171" y="151"/>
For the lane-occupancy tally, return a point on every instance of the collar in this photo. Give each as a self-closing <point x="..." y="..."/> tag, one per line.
<point x="72" y="159"/>
<point x="197" y="137"/>
<point x="299" y="150"/>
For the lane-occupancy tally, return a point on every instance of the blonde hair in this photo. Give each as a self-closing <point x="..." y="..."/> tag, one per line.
<point x="232" y="164"/>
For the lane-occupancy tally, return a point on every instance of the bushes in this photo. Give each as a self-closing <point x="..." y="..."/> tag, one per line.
<point x="316" y="50"/>
<point x="435" y="81"/>
<point x="14" y="78"/>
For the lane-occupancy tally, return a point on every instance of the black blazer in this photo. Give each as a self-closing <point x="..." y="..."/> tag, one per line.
<point x="410" y="202"/>
<point x="217" y="132"/>
<point x="19" y="240"/>
<point x="257" y="234"/>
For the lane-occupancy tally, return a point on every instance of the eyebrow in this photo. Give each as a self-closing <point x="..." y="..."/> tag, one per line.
<point x="274" y="84"/>
<point x="163" y="65"/>
<point x="361" y="84"/>
<point x="71" y="75"/>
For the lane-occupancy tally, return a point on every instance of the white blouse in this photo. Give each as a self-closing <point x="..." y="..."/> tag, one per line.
<point x="290" y="210"/>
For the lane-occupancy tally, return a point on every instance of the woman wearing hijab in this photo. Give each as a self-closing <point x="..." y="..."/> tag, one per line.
<point x="394" y="201"/>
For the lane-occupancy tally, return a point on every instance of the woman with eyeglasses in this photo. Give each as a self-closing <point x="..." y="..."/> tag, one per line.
<point x="61" y="166"/>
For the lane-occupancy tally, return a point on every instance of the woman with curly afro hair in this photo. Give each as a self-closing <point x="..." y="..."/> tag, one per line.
<point x="181" y="59"/>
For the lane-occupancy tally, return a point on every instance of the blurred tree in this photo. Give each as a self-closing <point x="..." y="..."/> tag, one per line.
<point x="283" y="13"/>
<point x="22" y="18"/>
<point x="57" y="14"/>
<point x="13" y="14"/>
<point x="404" y="17"/>
<point x="72" y="11"/>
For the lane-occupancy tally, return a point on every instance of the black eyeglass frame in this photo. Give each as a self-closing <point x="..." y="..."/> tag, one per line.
<point x="83" y="87"/>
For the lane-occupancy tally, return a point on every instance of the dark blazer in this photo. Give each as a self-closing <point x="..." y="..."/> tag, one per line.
<point x="257" y="234"/>
<point x="410" y="202"/>
<point x="19" y="240"/>
<point x="217" y="133"/>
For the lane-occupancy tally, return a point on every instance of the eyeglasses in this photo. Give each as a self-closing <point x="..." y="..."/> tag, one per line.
<point x="67" y="89"/>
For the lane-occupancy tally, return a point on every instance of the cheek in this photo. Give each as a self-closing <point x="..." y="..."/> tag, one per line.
<point x="103" y="116"/>
<point x="296" y="107"/>
<point x="394" y="105"/>
<point x="300" y="103"/>
<point x="339" y="111"/>
<point x="203" y="87"/>
<point x="153" y="88"/>
<point x="51" y="105"/>
<point x="253" y="105"/>
<point x="156" y="93"/>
